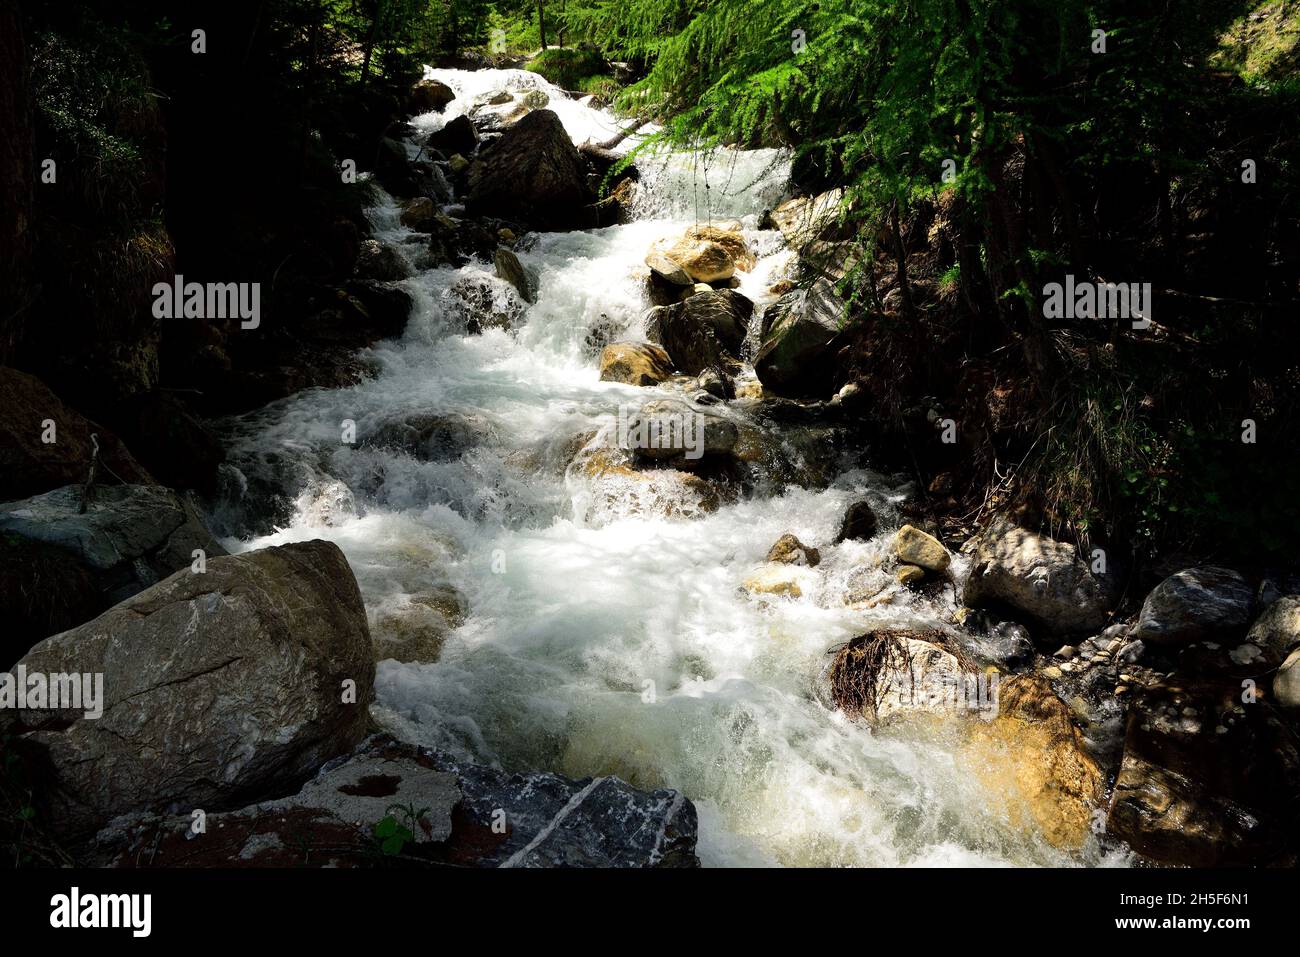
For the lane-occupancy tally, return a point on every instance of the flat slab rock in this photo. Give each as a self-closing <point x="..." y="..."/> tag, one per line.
<point x="472" y="816"/>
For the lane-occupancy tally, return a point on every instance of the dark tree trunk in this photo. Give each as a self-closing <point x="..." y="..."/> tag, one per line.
<point x="17" y="176"/>
<point x="900" y="261"/>
<point x="371" y="39"/>
<point x="541" y="23"/>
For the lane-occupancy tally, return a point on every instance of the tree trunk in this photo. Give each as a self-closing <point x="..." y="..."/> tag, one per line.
<point x="371" y="40"/>
<point x="900" y="261"/>
<point x="541" y="22"/>
<point x="17" y="176"/>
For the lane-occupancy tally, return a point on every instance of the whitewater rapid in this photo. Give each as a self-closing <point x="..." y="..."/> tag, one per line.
<point x="602" y="641"/>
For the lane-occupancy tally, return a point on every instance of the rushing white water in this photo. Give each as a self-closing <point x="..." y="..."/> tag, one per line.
<point x="576" y="605"/>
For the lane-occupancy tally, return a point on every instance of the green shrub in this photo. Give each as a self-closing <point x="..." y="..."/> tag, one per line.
<point x="569" y="68"/>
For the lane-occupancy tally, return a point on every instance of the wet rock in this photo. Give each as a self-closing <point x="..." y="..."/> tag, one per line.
<point x="45" y="444"/>
<point x="535" y="99"/>
<point x="493" y="119"/>
<point x="512" y="271"/>
<point x="420" y="215"/>
<point x="702" y="260"/>
<point x="909" y="575"/>
<point x="457" y="136"/>
<point x="430" y="96"/>
<point x="788" y="550"/>
<point x="1033" y="754"/>
<point x="366" y="312"/>
<point x="679" y="433"/>
<point x="129" y="537"/>
<point x="456" y="241"/>
<point x="417" y="631"/>
<point x="730" y="238"/>
<point x="474" y="816"/>
<point x="476" y="303"/>
<point x="798" y="339"/>
<point x="380" y="262"/>
<point x="859" y="523"/>
<point x="715" y="383"/>
<point x="777" y="580"/>
<point x="886" y="675"/>
<point x="1041" y="578"/>
<point x="635" y="363"/>
<point x="667" y="270"/>
<point x="430" y="436"/>
<point x="915" y="547"/>
<point x="1190" y="794"/>
<point x="705" y="331"/>
<point x="1195" y="604"/>
<point x="619" y="488"/>
<point x="533" y="173"/>
<point x="661" y="292"/>
<point x="219" y="688"/>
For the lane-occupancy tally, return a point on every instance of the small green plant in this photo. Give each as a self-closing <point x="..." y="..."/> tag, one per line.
<point x="393" y="834"/>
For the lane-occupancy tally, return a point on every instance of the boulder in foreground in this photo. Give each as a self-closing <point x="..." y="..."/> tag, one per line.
<point x="218" y="689"/>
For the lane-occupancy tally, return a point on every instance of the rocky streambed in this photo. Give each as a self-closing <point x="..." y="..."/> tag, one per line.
<point x="591" y="568"/>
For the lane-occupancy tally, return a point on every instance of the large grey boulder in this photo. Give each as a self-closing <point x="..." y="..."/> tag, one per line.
<point x="129" y="537"/>
<point x="1195" y="604"/>
<point x="218" y="688"/>
<point x="1044" y="580"/>
<point x="1277" y="629"/>
<point x="533" y="174"/>
<point x="798" y="340"/>
<point x="705" y="331"/>
<point x="466" y="814"/>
